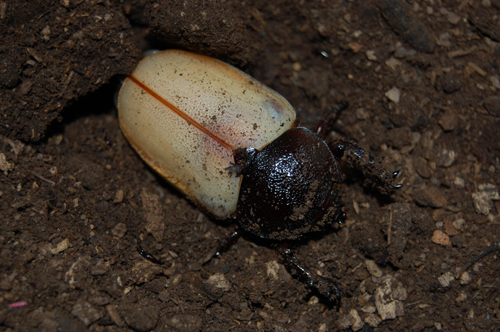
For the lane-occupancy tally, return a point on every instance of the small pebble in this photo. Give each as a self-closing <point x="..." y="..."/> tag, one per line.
<point x="465" y="278"/>
<point x="446" y="158"/>
<point x="461" y="297"/>
<point x="219" y="280"/>
<point x="370" y="55"/>
<point x="490" y="189"/>
<point x="393" y="94"/>
<point x="453" y="18"/>
<point x="482" y="202"/>
<point x="448" y="121"/>
<point x="441" y="238"/>
<point x="61" y="246"/>
<point x="119" y="230"/>
<point x="373" y="269"/>
<point x="119" y="196"/>
<point x="459" y="223"/>
<point x="446" y="279"/>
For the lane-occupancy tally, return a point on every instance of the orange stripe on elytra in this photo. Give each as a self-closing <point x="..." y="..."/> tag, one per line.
<point x="181" y="114"/>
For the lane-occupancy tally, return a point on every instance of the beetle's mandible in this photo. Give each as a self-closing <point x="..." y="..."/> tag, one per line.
<point x="232" y="145"/>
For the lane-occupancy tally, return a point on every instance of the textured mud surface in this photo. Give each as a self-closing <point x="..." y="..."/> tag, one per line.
<point x="423" y="82"/>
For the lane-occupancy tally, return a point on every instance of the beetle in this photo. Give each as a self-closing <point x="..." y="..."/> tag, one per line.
<point x="233" y="147"/>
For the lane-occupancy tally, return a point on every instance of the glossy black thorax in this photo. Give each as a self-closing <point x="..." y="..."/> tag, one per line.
<point x="290" y="188"/>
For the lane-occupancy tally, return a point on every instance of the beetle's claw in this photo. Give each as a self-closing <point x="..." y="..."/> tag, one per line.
<point x="398" y="186"/>
<point x="395" y="174"/>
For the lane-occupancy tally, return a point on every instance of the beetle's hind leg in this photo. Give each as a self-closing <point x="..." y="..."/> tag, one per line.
<point x="326" y="287"/>
<point x="224" y="244"/>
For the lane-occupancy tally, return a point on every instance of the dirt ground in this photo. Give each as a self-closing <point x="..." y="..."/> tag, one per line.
<point x="423" y="81"/>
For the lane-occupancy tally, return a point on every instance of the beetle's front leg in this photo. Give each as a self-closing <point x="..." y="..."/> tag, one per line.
<point x="326" y="287"/>
<point x="356" y="157"/>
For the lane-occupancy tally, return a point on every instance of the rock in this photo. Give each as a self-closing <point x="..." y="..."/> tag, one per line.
<point x="119" y="230"/>
<point x="482" y="202"/>
<point x="441" y="238"/>
<point x="446" y="279"/>
<point x="373" y="269"/>
<point x="393" y="95"/>
<point x="387" y="306"/>
<point x="61" y="246"/>
<point x="465" y="278"/>
<point x="120" y="194"/>
<point x="491" y="190"/>
<point x="459" y="223"/>
<point x="431" y="196"/>
<point x="273" y="269"/>
<point x="448" y="121"/>
<point x="446" y="158"/>
<point x="218" y="280"/>
<point x="461" y="297"/>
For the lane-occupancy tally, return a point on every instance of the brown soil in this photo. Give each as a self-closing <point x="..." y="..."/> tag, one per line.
<point x="423" y="82"/>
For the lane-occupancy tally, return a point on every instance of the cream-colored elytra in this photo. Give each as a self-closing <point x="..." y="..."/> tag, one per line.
<point x="230" y="104"/>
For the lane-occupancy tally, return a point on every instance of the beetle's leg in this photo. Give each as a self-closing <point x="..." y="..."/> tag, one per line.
<point x="329" y="119"/>
<point x="371" y="168"/>
<point x="225" y="244"/>
<point x="326" y="287"/>
<point x="149" y="257"/>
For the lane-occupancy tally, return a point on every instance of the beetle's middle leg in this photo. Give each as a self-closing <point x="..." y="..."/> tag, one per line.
<point x="224" y="244"/>
<point x="326" y="287"/>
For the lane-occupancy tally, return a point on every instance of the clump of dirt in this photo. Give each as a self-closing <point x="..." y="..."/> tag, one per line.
<point x="75" y="199"/>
